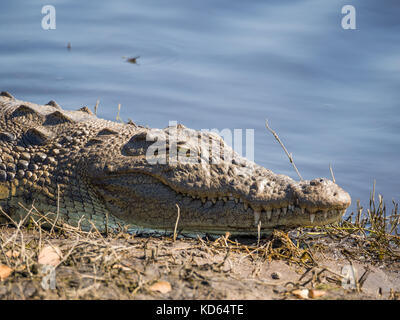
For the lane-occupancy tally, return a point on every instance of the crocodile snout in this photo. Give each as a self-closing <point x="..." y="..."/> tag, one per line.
<point x="321" y="194"/>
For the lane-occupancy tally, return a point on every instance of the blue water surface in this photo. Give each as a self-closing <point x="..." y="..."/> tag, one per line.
<point x="331" y="94"/>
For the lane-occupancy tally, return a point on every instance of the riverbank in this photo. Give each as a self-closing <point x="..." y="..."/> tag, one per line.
<point x="358" y="258"/>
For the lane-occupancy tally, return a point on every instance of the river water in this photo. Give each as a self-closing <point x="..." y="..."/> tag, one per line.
<point x="331" y="94"/>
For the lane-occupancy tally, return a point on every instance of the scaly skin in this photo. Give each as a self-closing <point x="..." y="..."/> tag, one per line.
<point x="75" y="164"/>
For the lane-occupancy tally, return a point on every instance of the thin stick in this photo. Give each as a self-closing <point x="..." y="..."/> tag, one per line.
<point x="96" y="106"/>
<point x="177" y="220"/>
<point x="119" y="109"/>
<point x="280" y="142"/>
<point x="333" y="176"/>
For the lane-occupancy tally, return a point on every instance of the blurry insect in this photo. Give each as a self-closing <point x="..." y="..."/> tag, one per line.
<point x="132" y="60"/>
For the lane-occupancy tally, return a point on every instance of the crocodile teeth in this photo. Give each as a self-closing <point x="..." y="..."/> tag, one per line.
<point x="236" y="200"/>
<point x="325" y="214"/>
<point x="214" y="200"/>
<point x="269" y="214"/>
<point x="312" y="217"/>
<point x="203" y="200"/>
<point x="302" y="210"/>
<point x="246" y="206"/>
<point x="284" y="210"/>
<point x="257" y="215"/>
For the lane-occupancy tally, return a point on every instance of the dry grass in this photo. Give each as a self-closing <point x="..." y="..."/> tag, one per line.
<point x="118" y="265"/>
<point x="373" y="232"/>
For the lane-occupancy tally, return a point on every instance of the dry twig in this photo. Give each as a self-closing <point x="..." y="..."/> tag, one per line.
<point x="287" y="153"/>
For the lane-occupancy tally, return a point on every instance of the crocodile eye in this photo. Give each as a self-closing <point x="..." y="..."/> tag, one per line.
<point x="136" y="145"/>
<point x="138" y="137"/>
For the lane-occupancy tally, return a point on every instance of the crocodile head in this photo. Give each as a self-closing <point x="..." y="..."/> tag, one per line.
<point x="216" y="190"/>
<point x="76" y="164"/>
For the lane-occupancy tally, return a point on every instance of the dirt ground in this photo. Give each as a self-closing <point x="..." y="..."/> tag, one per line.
<point x="303" y="264"/>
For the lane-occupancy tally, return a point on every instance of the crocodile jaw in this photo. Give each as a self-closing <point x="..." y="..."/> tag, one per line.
<point x="147" y="201"/>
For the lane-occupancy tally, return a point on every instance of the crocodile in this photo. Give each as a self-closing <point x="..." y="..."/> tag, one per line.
<point x="85" y="171"/>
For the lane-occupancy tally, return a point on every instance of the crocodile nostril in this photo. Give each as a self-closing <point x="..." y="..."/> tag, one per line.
<point x="316" y="182"/>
